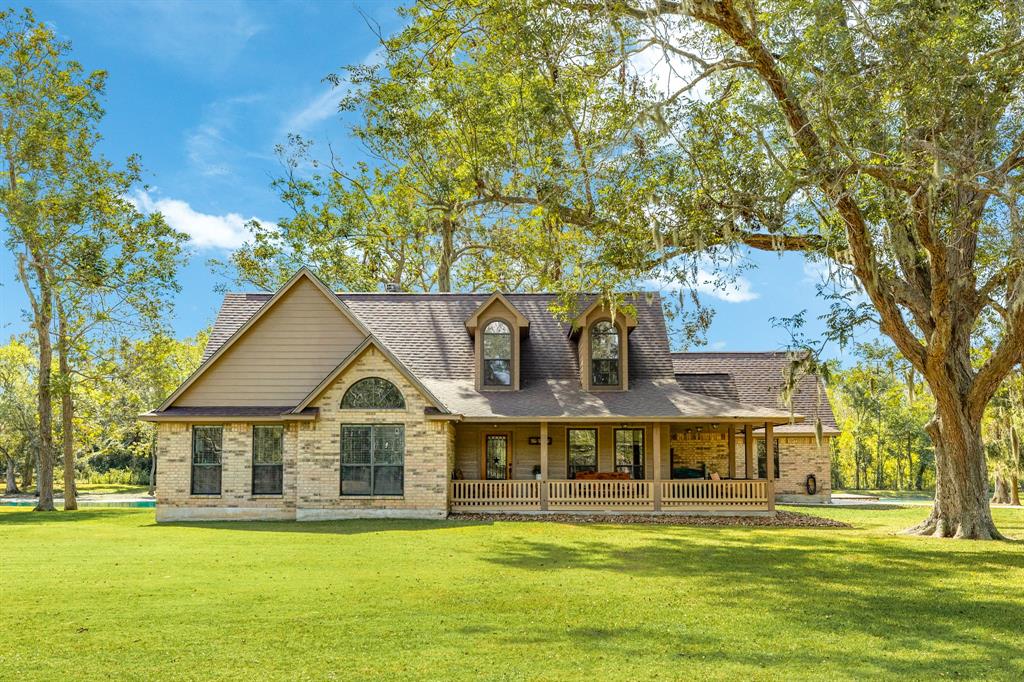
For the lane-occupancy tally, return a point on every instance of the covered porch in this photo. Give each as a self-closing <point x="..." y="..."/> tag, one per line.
<point x="655" y="466"/>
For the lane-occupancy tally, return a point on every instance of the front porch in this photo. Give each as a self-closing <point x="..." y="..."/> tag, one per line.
<point x="561" y="467"/>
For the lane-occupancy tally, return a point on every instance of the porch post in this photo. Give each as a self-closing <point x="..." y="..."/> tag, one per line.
<point x="656" y="463"/>
<point x="544" y="466"/>
<point x="748" y="451"/>
<point x="769" y="463"/>
<point x="731" y="445"/>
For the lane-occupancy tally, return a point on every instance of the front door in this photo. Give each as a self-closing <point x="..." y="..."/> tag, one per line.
<point x="497" y="457"/>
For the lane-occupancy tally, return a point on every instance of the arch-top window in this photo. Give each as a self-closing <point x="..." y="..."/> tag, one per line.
<point x="373" y="393"/>
<point x="497" y="360"/>
<point x="604" y="354"/>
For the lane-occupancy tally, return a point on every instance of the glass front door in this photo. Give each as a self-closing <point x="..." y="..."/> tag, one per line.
<point x="497" y="461"/>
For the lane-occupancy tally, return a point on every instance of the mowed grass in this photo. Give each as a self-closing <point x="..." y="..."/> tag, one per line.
<point x="109" y="594"/>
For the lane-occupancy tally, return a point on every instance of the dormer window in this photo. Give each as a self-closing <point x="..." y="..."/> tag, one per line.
<point x="498" y="330"/>
<point x="604" y="354"/>
<point x="497" y="354"/>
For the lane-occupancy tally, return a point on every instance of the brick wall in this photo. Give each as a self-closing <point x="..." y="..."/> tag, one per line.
<point x="174" y="500"/>
<point x="693" y="449"/>
<point x="312" y="462"/>
<point x="798" y="457"/>
<point x="427" y="451"/>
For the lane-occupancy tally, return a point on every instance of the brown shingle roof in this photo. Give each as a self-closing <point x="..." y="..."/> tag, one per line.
<point x="758" y="379"/>
<point x="427" y="333"/>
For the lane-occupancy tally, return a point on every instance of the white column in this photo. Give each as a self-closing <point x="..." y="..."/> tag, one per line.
<point x="748" y="452"/>
<point x="731" y="445"/>
<point x="544" y="465"/>
<point x="656" y="463"/>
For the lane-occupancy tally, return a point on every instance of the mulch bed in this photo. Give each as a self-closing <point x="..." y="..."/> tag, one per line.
<point x="782" y="519"/>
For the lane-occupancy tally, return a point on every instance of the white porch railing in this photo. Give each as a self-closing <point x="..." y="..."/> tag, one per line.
<point x="495" y="495"/>
<point x="698" y="494"/>
<point x="675" y="495"/>
<point x="600" y="494"/>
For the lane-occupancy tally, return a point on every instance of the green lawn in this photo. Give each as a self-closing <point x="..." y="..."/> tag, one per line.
<point x="899" y="494"/>
<point x="108" y="593"/>
<point x="108" y="489"/>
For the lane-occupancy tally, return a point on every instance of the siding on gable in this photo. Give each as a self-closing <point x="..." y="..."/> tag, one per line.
<point x="282" y="357"/>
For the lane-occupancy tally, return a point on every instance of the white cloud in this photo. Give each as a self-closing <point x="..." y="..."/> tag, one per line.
<point x="205" y="230"/>
<point x="320" y="108"/>
<point x="717" y="345"/>
<point x="210" y="146"/>
<point x="325" y="105"/>
<point x="725" y="286"/>
<point x="729" y="289"/>
<point x="203" y="37"/>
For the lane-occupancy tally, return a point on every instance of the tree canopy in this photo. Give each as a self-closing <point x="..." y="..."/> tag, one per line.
<point x="884" y="137"/>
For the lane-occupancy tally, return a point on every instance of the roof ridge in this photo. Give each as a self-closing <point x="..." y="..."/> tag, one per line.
<point x="730" y="352"/>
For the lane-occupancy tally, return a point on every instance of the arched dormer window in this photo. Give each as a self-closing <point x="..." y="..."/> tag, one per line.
<point x="497" y="354"/>
<point x="373" y="393"/>
<point x="604" y="354"/>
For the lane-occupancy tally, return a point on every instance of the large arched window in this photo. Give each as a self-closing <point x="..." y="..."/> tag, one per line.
<point x="604" y="354"/>
<point x="373" y="393"/>
<point x="497" y="355"/>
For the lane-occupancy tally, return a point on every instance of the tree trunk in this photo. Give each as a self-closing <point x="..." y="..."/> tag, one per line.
<point x="27" y="470"/>
<point x="1015" y="475"/>
<point x="67" y="413"/>
<point x="12" y="481"/>
<point x="444" y="263"/>
<point x="856" y="464"/>
<point x="961" y="508"/>
<point x="44" y="405"/>
<point x="1002" y="492"/>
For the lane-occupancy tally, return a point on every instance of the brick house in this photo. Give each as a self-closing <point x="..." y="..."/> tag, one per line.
<point x="311" y="404"/>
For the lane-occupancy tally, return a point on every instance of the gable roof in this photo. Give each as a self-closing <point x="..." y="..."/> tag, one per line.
<point x="370" y="341"/>
<point x="229" y="334"/>
<point x="756" y="379"/>
<point x="473" y="321"/>
<point x="427" y="335"/>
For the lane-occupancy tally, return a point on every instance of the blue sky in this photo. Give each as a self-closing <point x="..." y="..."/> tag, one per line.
<point x="204" y="90"/>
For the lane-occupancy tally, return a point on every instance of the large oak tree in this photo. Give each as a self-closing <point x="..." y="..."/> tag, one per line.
<point x="884" y="137"/>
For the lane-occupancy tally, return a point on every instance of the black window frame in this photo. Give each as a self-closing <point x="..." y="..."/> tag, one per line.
<point x="570" y="469"/>
<point x="267" y="467"/>
<point x="606" y="365"/>
<point x="762" y="459"/>
<point x="219" y="465"/>
<point x="372" y="465"/>
<point x="485" y="361"/>
<point x="633" y="467"/>
<point x="399" y="404"/>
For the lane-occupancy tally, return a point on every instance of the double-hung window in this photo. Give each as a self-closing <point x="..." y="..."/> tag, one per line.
<point x="604" y="354"/>
<point x="762" y="461"/>
<point x="372" y="459"/>
<point x="629" y="452"/>
<point x="267" y="460"/>
<point x="582" y="451"/>
<point x="207" y="444"/>
<point x="497" y="354"/>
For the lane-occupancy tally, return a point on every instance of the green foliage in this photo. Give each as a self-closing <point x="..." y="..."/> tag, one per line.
<point x="129" y="376"/>
<point x="882" y="408"/>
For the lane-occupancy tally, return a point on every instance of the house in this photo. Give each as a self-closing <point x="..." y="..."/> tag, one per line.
<point x="311" y="404"/>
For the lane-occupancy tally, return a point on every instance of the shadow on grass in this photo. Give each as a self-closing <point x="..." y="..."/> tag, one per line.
<point x="911" y="597"/>
<point x="337" y="527"/>
<point x="23" y="516"/>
